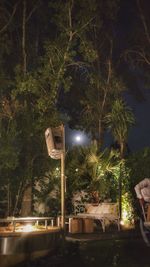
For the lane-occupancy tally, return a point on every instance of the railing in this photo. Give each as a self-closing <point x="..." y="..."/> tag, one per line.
<point x="36" y="220"/>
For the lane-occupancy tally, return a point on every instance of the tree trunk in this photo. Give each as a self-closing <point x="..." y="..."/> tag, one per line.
<point x="120" y="193"/>
<point x="120" y="179"/>
<point x="26" y="207"/>
<point x="24" y="56"/>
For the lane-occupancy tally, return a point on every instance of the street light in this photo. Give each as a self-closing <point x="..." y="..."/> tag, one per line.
<point x="55" y="141"/>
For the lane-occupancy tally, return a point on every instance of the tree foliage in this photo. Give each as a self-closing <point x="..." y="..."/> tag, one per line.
<point x="119" y="121"/>
<point x="58" y="59"/>
<point x="90" y="170"/>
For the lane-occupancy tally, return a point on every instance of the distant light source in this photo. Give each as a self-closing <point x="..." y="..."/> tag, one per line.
<point x="78" y="138"/>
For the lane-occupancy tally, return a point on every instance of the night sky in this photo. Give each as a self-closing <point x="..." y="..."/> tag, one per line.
<point x="140" y="134"/>
<point x="136" y="96"/>
<point x="127" y="22"/>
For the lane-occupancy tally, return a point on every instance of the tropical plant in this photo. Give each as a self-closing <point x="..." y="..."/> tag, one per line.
<point x="47" y="190"/>
<point x="103" y="168"/>
<point x="137" y="166"/>
<point x="119" y="121"/>
<point x="92" y="171"/>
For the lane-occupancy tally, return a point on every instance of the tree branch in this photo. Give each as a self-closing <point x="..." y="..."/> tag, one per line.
<point x="32" y="11"/>
<point x="141" y="54"/>
<point x="24" y="38"/>
<point x="143" y="21"/>
<point x="10" y="19"/>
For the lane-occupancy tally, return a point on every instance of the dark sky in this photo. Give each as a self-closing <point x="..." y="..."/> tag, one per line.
<point x="140" y="134"/>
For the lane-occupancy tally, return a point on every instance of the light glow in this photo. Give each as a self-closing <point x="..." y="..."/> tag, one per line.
<point x="78" y="138"/>
<point x="27" y="228"/>
<point x="127" y="211"/>
<point x="122" y="222"/>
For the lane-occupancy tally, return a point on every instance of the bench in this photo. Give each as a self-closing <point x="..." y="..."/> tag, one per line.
<point x="106" y="213"/>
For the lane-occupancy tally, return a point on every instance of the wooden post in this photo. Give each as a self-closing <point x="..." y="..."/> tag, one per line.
<point x="56" y="150"/>
<point x="62" y="193"/>
<point x="63" y="183"/>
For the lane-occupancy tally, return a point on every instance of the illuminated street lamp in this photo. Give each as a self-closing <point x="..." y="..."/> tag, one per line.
<point x="55" y="141"/>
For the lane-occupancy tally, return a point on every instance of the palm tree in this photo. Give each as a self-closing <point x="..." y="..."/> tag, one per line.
<point x="102" y="164"/>
<point x="119" y="121"/>
<point x="87" y="169"/>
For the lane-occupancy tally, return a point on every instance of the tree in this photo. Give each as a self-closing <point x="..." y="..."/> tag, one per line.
<point x="31" y="99"/>
<point x="25" y="112"/>
<point x="96" y="83"/>
<point x="96" y="103"/>
<point x="137" y="52"/>
<point x="91" y="171"/>
<point x="119" y="121"/>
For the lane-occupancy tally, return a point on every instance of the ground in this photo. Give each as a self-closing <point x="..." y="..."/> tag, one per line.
<point x="124" y="249"/>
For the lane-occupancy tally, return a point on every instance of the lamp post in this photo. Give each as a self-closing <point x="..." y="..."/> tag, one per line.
<point x="63" y="191"/>
<point x="55" y="141"/>
<point x="63" y="180"/>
